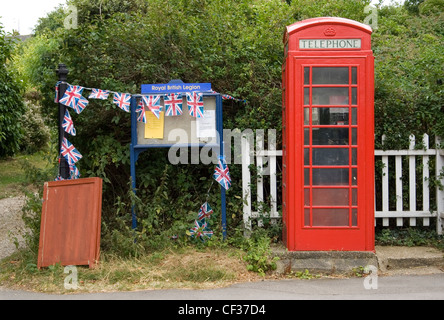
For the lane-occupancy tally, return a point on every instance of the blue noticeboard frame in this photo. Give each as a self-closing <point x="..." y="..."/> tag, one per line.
<point x="136" y="149"/>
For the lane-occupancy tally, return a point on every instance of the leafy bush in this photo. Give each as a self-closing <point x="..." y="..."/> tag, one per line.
<point x="11" y="101"/>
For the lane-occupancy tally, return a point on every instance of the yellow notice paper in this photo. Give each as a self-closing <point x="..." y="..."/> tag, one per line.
<point x="154" y="127"/>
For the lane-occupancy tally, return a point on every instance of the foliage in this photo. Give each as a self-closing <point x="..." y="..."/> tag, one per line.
<point x="11" y="101"/>
<point x="235" y="45"/>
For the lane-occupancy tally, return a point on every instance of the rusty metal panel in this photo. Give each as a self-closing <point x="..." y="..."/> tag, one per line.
<point x="71" y="221"/>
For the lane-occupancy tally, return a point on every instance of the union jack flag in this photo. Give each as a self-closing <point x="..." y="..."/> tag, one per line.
<point x="205" y="211"/>
<point x="122" y="100"/>
<point x="56" y="98"/>
<point x="173" y="104"/>
<point x="81" y="104"/>
<point x="222" y="174"/>
<point x="68" y="124"/>
<point x="140" y="111"/>
<point x="70" y="152"/>
<point x="200" y="230"/>
<point x="153" y="103"/>
<point x="74" y="172"/>
<point x="195" y="104"/>
<point x="72" y="96"/>
<point x="99" y="94"/>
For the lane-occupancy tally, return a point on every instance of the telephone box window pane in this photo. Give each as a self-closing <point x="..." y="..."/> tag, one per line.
<point x="354" y="116"/>
<point x="307" y="197"/>
<point x="330" y="116"/>
<point x="354" y="75"/>
<point x="306" y="137"/>
<point x="307" y="75"/>
<point x="306" y="157"/>
<point x="354" y="176"/>
<point x="330" y="96"/>
<point x="330" y="217"/>
<point x="330" y="157"/>
<point x="354" y="156"/>
<point x="354" y="96"/>
<point x="354" y="136"/>
<point x="330" y="177"/>
<point x="354" y="217"/>
<point x="307" y="217"/>
<point x="330" y="75"/>
<point x="354" y="197"/>
<point x="306" y="177"/>
<point x="330" y="136"/>
<point x="306" y="116"/>
<point x="330" y="197"/>
<point x="306" y="96"/>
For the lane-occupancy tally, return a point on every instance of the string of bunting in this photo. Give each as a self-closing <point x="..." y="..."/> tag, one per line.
<point x="173" y="104"/>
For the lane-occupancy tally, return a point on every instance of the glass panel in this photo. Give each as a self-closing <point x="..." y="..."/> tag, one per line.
<point x="306" y="137"/>
<point x="306" y="116"/>
<point x="330" y="217"/>
<point x="354" y="75"/>
<point x="307" y="197"/>
<point x="354" y="136"/>
<point x="307" y="75"/>
<point x="354" y="96"/>
<point x="330" y="177"/>
<point x="331" y="116"/>
<point x="306" y="177"/>
<point x="354" y="116"/>
<point x="330" y="136"/>
<point x="307" y="217"/>
<point x="330" y="157"/>
<point x="330" y="197"/>
<point x="354" y="217"/>
<point x="354" y="156"/>
<point x="354" y="197"/>
<point x="330" y="96"/>
<point x="354" y="176"/>
<point x="307" y="157"/>
<point x="330" y="75"/>
<point x="306" y="96"/>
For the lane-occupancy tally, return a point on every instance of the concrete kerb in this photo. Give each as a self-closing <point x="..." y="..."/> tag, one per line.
<point x="347" y="262"/>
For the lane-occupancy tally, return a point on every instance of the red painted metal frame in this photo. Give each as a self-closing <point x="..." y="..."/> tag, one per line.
<point x="296" y="235"/>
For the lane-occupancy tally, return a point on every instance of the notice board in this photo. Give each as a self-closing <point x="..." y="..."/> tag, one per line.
<point x="183" y="129"/>
<point x="71" y="223"/>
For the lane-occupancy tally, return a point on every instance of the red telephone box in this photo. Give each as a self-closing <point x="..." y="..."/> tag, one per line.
<point x="328" y="136"/>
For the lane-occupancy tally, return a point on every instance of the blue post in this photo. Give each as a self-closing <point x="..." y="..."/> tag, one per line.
<point x="133" y="156"/>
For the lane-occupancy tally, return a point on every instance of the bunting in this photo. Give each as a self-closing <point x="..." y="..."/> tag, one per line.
<point x="73" y="98"/>
<point x="222" y="174"/>
<point x="122" y="100"/>
<point x="173" y="104"/>
<point x="195" y="104"/>
<point x="68" y="124"/>
<point x="153" y="104"/>
<point x="70" y="152"/>
<point x="99" y="94"/>
<point x="140" y="112"/>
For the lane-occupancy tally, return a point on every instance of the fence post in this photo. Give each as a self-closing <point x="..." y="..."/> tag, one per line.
<point x="246" y="184"/>
<point x="439" y="187"/>
<point x="62" y="73"/>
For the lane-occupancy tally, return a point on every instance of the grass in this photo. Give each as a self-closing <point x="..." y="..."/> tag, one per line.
<point x="13" y="177"/>
<point x="180" y="268"/>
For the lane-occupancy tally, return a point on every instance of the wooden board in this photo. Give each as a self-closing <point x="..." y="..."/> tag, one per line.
<point x="71" y="222"/>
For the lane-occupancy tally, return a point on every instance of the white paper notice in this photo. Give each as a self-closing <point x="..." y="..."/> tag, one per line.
<point x="206" y="126"/>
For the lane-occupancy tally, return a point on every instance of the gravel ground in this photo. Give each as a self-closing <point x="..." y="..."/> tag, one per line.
<point x="11" y="224"/>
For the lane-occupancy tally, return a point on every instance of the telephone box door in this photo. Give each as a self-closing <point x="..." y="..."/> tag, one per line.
<point x="332" y="121"/>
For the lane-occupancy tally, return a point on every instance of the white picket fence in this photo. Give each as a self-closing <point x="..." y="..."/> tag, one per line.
<point x="399" y="190"/>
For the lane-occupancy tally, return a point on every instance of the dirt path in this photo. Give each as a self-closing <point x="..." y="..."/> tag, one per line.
<point x="11" y="224"/>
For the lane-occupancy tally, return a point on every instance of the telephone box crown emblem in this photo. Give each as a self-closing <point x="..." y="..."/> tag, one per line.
<point x="330" y="32"/>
